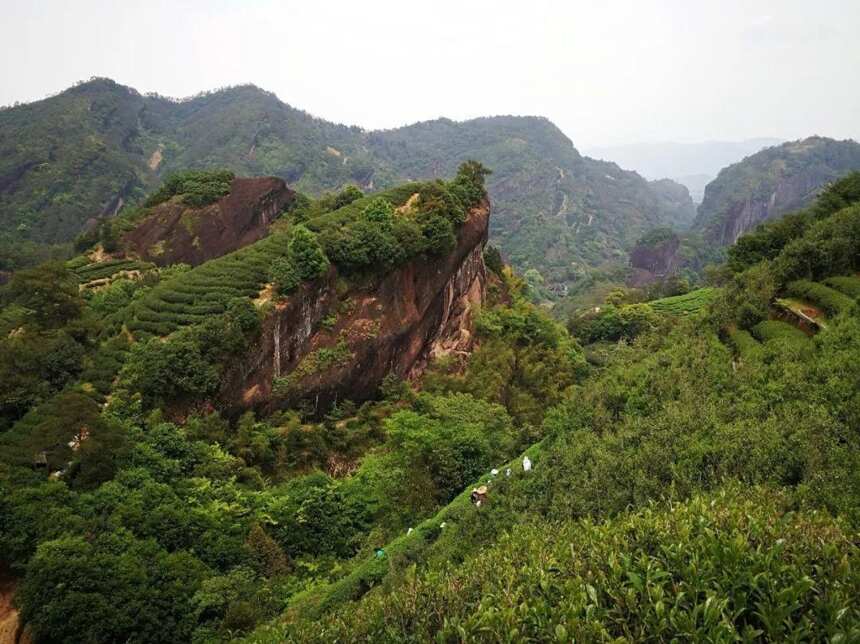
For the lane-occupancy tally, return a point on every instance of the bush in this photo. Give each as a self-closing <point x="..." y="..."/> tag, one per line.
<point x="691" y="568"/>
<point x="306" y="254"/>
<point x="612" y="323"/>
<point x="777" y="330"/>
<point x="439" y="233"/>
<point x="745" y="345"/>
<point x="848" y="285"/>
<point x="284" y="276"/>
<point x="493" y="259"/>
<point x="197" y="187"/>
<point x="685" y="303"/>
<point x="831" y="301"/>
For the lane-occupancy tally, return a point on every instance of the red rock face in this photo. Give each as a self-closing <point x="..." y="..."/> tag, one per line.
<point x="423" y="309"/>
<point x="176" y="233"/>
<point x="651" y="263"/>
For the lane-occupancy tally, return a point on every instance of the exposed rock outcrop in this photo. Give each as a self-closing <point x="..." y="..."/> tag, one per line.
<point x="652" y="262"/>
<point x="174" y="232"/>
<point x="771" y="183"/>
<point x="321" y="345"/>
<point x="11" y="631"/>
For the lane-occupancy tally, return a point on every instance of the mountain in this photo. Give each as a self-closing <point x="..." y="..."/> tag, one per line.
<point x="690" y="164"/>
<point x="332" y="432"/>
<point x="555" y="210"/>
<point x="771" y="183"/>
<point x="91" y="150"/>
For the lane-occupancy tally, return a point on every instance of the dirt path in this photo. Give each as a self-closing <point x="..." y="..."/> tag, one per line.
<point x="8" y="613"/>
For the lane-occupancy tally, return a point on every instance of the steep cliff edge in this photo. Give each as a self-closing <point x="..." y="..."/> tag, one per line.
<point x="327" y="342"/>
<point x="174" y="232"/>
<point x="771" y="183"/>
<point x="654" y="257"/>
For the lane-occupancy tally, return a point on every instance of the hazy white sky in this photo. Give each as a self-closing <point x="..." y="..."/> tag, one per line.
<point x="605" y="71"/>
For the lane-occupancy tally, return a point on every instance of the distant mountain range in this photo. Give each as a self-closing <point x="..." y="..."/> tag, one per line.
<point x="691" y="164"/>
<point x="771" y="183"/>
<point x="99" y="146"/>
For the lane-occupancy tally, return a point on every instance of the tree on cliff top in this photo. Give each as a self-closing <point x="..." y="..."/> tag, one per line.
<point x="306" y="254"/>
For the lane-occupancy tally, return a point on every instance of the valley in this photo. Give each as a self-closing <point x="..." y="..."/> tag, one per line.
<point x="279" y="438"/>
<point x="266" y="377"/>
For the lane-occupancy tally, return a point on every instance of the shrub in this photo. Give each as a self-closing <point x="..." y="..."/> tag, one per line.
<point x="493" y="259"/>
<point x="685" y="303"/>
<point x="848" y="285"/>
<point x="197" y="187"/>
<point x="831" y="301"/>
<point x="612" y="323"/>
<point x="439" y="233"/>
<point x="745" y="345"/>
<point x="777" y="330"/>
<point x="691" y="568"/>
<point x="435" y="200"/>
<point x="284" y="276"/>
<point x="306" y="254"/>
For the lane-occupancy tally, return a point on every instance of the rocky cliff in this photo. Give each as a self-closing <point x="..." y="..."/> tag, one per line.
<point x="654" y="259"/>
<point x="771" y="183"/>
<point x="327" y="342"/>
<point x="174" y="232"/>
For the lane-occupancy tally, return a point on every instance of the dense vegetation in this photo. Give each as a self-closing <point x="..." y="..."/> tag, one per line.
<point x="157" y="531"/>
<point x="557" y="213"/>
<point x="196" y="187"/>
<point x="684" y="468"/>
<point x="771" y="183"/>
<point x="678" y="491"/>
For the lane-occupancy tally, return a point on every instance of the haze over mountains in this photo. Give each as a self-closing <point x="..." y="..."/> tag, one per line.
<point x="691" y="164"/>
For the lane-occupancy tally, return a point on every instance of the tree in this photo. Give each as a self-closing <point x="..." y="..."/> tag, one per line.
<point x="114" y="588"/>
<point x="379" y="211"/>
<point x="284" y="276"/>
<point x="493" y="259"/>
<point x="346" y="196"/>
<point x="439" y="234"/>
<point x="267" y="554"/>
<point x="168" y="370"/>
<point x="49" y="293"/>
<point x="306" y="254"/>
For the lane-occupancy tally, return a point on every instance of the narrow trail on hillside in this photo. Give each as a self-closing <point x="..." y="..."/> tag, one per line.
<point x="8" y="613"/>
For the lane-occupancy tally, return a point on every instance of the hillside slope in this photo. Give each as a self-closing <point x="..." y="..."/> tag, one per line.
<point x="692" y="485"/>
<point x="771" y="183"/>
<point x="87" y="151"/>
<point x="691" y="473"/>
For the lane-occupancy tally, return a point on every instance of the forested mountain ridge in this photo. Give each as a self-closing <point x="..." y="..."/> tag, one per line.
<point x="556" y="211"/>
<point x="770" y="183"/>
<point x="231" y="451"/>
